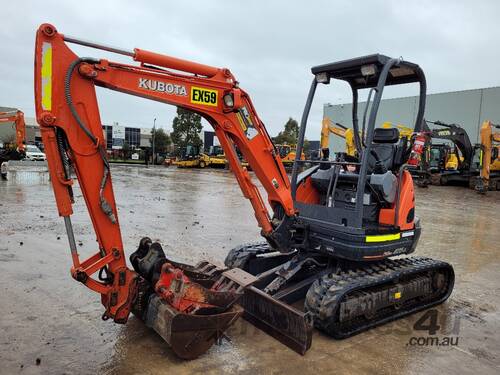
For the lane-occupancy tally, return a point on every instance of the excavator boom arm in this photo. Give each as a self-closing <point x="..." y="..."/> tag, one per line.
<point x="458" y="136"/>
<point x="71" y="128"/>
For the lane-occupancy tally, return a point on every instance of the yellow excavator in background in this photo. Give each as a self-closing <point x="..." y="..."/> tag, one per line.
<point x="216" y="157"/>
<point x="489" y="178"/>
<point x="328" y="126"/>
<point x="287" y="154"/>
<point x="191" y="157"/>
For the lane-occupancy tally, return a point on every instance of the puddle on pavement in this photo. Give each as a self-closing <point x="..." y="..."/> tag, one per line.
<point x="201" y="214"/>
<point x="31" y="176"/>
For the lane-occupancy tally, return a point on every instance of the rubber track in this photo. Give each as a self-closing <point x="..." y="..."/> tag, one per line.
<point x="240" y="255"/>
<point x="325" y="295"/>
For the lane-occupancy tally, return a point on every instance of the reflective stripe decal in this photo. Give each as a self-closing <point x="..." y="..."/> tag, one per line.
<point x="383" y="237"/>
<point x="46" y="76"/>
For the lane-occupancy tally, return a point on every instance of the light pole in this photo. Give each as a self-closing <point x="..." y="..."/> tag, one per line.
<point x="154" y="134"/>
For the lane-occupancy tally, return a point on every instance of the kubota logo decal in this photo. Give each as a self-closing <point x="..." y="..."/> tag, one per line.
<point x="169" y="88"/>
<point x="201" y="95"/>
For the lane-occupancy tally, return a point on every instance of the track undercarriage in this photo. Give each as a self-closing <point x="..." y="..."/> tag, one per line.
<point x="341" y="298"/>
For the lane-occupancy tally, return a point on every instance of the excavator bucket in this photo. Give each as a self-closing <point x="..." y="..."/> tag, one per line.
<point x="188" y="335"/>
<point x="180" y="303"/>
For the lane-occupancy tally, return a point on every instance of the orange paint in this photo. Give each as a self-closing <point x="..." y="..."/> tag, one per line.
<point x="238" y="126"/>
<point x="387" y="216"/>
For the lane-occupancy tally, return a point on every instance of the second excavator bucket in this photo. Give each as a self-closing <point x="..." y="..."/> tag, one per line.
<point x="179" y="302"/>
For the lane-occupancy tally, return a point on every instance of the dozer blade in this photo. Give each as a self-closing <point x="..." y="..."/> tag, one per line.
<point x="188" y="335"/>
<point x="285" y="323"/>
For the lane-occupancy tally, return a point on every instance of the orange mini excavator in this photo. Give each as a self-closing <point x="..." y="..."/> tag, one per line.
<point x="330" y="238"/>
<point x="17" y="117"/>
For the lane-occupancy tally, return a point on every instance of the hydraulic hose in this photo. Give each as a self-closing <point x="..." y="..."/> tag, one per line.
<point x="105" y="206"/>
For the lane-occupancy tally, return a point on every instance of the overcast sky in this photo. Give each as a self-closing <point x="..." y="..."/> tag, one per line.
<point x="269" y="46"/>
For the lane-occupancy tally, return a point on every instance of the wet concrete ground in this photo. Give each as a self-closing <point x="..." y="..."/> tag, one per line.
<point x="201" y="214"/>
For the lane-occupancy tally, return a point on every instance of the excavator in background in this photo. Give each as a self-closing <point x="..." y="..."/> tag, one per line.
<point x="11" y="152"/>
<point x="489" y="178"/>
<point x="287" y="154"/>
<point x="328" y="126"/>
<point x="190" y="157"/>
<point x="16" y="117"/>
<point x="217" y="158"/>
<point x="193" y="158"/>
<point x="443" y="165"/>
<point x="434" y="159"/>
<point x="331" y="233"/>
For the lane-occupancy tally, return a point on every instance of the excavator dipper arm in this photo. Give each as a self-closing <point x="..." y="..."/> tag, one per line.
<point x="68" y="114"/>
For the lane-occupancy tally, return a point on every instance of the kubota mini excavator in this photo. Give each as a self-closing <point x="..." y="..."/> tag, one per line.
<point x="14" y="153"/>
<point x="331" y="234"/>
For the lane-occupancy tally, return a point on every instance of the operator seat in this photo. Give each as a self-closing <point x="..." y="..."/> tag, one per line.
<point x="385" y="149"/>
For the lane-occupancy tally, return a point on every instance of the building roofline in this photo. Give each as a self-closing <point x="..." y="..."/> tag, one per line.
<point x="416" y="96"/>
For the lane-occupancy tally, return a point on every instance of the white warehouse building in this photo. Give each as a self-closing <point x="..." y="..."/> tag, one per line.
<point x="468" y="108"/>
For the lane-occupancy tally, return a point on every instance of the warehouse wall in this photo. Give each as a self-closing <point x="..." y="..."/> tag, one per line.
<point x="468" y="108"/>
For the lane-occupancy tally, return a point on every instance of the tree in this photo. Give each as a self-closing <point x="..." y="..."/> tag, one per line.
<point x="162" y="140"/>
<point x="290" y="134"/>
<point x="126" y="150"/>
<point x="186" y="129"/>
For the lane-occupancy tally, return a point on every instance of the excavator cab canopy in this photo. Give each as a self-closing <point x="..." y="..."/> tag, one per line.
<point x="364" y="72"/>
<point x="373" y="145"/>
